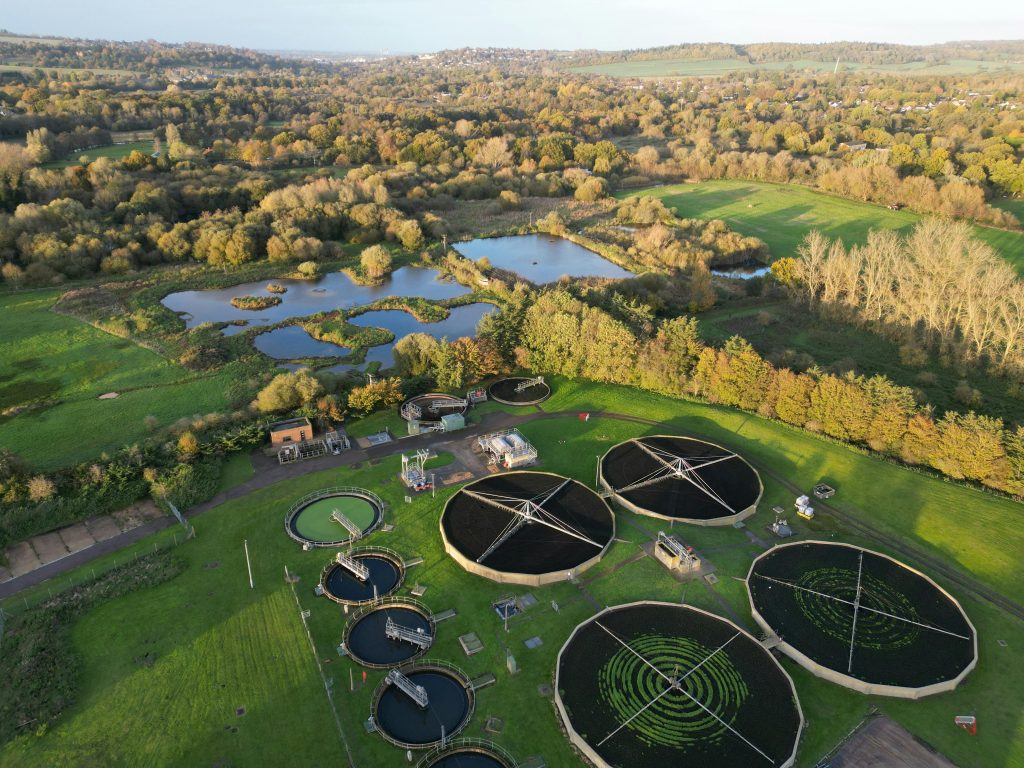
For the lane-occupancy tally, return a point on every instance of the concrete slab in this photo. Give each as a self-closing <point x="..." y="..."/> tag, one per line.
<point x="49" y="547"/>
<point x="882" y="743"/>
<point x="21" y="558"/>
<point x="5" y="575"/>
<point x="102" y="528"/>
<point x="76" y="537"/>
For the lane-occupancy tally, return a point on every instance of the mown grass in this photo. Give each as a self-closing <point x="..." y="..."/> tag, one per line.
<point x="216" y="645"/>
<point x="113" y="151"/>
<point x="717" y="67"/>
<point x="782" y="214"/>
<point x="46" y="357"/>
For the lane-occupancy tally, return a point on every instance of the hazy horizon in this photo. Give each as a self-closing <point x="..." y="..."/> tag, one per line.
<point x="413" y="26"/>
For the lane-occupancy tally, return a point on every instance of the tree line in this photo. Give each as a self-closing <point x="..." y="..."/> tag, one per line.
<point x="937" y="287"/>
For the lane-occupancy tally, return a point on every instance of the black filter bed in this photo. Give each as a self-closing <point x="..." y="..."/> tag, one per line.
<point x="862" y="614"/>
<point x="680" y="478"/>
<point x="664" y="684"/>
<point x="478" y="522"/>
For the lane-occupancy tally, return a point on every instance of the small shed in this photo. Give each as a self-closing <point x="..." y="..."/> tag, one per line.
<point x="290" y="431"/>
<point x="452" y="421"/>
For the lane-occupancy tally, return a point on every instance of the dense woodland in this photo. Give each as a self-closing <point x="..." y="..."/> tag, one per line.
<point x="254" y="159"/>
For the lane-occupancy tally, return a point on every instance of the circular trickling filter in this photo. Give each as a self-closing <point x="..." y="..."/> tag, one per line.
<point x="665" y="684"/>
<point x="530" y="528"/>
<point x="681" y="479"/>
<point x="862" y="619"/>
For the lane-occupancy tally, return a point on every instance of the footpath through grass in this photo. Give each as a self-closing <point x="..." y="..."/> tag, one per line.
<point x="166" y="669"/>
<point x="782" y="214"/>
<point x="48" y="358"/>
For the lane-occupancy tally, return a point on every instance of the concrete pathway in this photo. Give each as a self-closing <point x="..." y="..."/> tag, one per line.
<point x="26" y="557"/>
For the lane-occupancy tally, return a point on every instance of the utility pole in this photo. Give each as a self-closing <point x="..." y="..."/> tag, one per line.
<point x="248" y="565"/>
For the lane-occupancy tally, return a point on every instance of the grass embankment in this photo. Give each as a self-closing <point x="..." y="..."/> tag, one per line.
<point x="717" y="67"/>
<point x="46" y="357"/>
<point x="782" y="214"/>
<point x="216" y="645"/>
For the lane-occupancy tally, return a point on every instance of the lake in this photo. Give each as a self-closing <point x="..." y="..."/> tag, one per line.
<point x="305" y="297"/>
<point x="461" y="321"/>
<point x="541" y="258"/>
<point x="293" y="341"/>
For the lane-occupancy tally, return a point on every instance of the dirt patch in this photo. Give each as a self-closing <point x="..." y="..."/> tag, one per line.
<point x="882" y="743"/>
<point x="136" y="514"/>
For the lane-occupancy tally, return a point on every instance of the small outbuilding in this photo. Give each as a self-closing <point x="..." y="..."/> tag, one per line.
<point x="290" y="431"/>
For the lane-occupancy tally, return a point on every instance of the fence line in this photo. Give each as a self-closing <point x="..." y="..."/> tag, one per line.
<point x="46" y="590"/>
<point x="323" y="678"/>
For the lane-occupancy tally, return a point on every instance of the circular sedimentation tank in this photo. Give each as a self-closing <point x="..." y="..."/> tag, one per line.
<point x="310" y="520"/>
<point x="681" y="479"/>
<point x="504" y="391"/>
<point x="666" y="684"/>
<point x="862" y="619"/>
<point x="528" y="528"/>
<point x="386" y="574"/>
<point x="429" y="408"/>
<point x="366" y="638"/>
<point x="403" y="722"/>
<point x="467" y="753"/>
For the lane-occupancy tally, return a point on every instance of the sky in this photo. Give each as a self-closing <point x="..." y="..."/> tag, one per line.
<point x="404" y="26"/>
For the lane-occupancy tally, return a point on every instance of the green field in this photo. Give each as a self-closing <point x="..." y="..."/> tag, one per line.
<point x="46" y="357"/>
<point x="717" y="67"/>
<point x="113" y="151"/>
<point x="782" y="214"/>
<point x="211" y="645"/>
<point x="16" y="67"/>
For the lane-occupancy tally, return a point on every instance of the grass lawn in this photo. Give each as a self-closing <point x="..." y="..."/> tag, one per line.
<point x="165" y="669"/>
<point x="782" y="214"/>
<point x="236" y="470"/>
<point x="716" y="67"/>
<point x="45" y="356"/>
<point x="774" y="327"/>
<point x="113" y="151"/>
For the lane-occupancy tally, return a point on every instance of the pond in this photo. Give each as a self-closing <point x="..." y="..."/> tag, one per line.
<point x="306" y="297"/>
<point x="461" y="321"/>
<point x="541" y="258"/>
<point x="743" y="271"/>
<point x="294" y="341"/>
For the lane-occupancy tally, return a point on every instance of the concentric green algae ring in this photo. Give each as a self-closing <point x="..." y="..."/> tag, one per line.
<point x="628" y="684"/>
<point x="314" y="522"/>
<point x="835" y="619"/>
